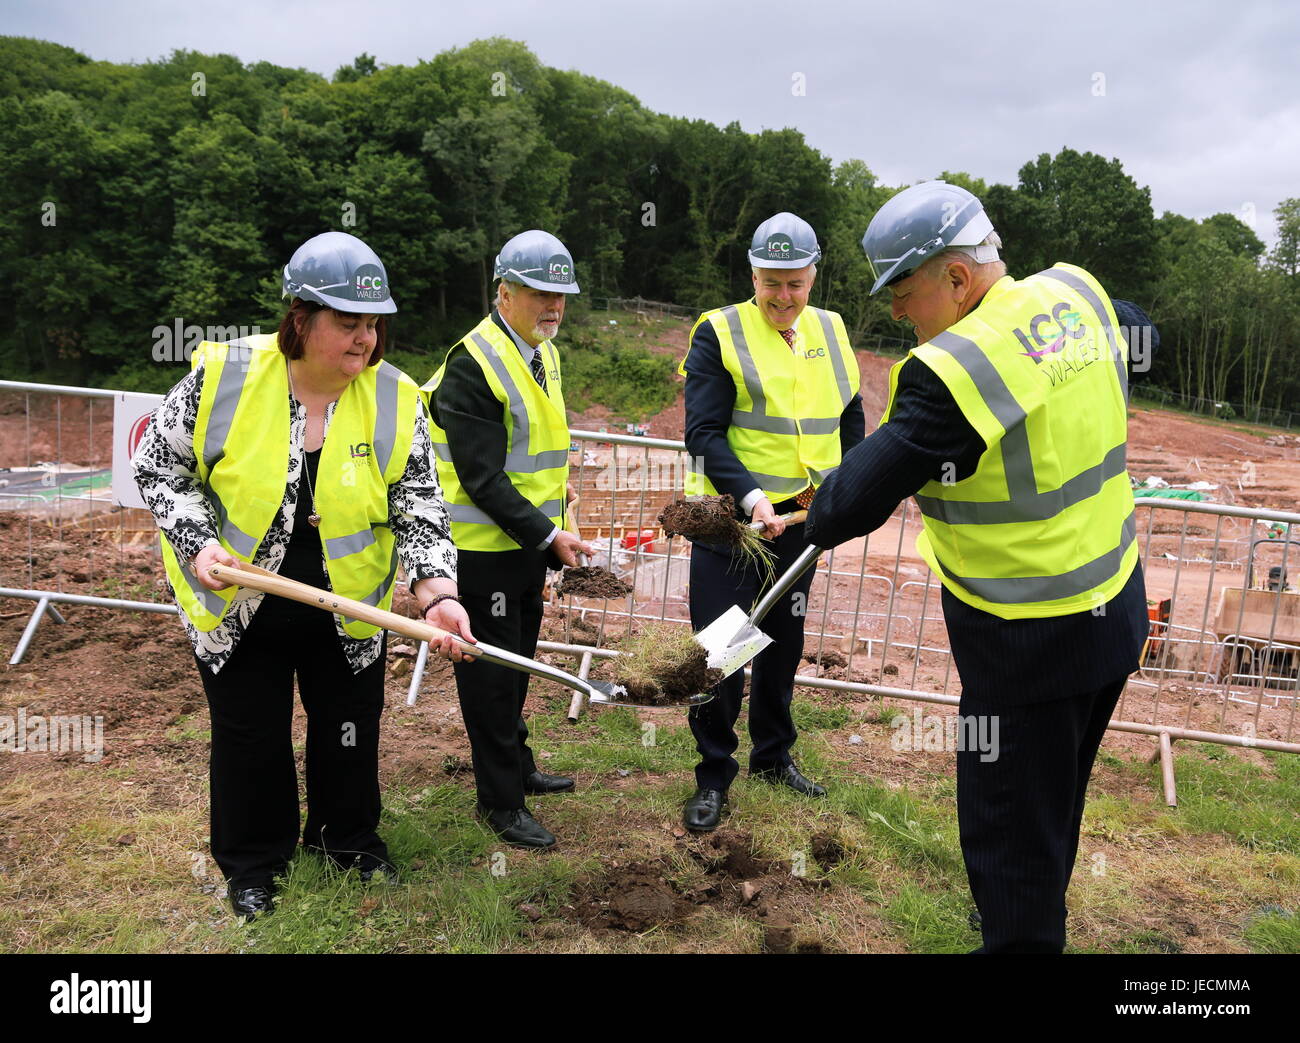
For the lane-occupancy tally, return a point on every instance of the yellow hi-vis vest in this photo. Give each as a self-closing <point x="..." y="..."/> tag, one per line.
<point x="786" y="421"/>
<point x="537" y="437"/>
<point x="241" y="442"/>
<point x="1045" y="526"/>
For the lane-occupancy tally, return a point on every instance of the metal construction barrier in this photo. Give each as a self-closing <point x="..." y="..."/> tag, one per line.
<point x="1222" y="663"/>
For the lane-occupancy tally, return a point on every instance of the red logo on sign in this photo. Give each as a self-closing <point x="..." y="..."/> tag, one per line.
<point x="137" y="433"/>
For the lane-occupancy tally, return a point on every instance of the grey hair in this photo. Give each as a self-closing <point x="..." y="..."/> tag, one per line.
<point x="969" y="255"/>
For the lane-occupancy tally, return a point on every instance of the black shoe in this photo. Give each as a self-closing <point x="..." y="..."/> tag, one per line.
<point x="250" y="902"/>
<point x="540" y="782"/>
<point x="789" y="775"/>
<point x="517" y="827"/>
<point x="382" y="872"/>
<point x="704" y="810"/>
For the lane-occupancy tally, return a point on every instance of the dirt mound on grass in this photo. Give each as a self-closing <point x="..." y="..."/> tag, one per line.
<point x="656" y="893"/>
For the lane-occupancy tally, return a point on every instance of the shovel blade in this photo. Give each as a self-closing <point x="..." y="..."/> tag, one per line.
<point x="731" y="641"/>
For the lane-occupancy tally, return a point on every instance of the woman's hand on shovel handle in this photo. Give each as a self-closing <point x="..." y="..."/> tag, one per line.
<point x="212" y="554"/>
<point x="450" y="616"/>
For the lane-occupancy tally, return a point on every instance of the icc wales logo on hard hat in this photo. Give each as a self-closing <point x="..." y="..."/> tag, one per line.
<point x="779" y="248"/>
<point x="368" y="283"/>
<point x="559" y="269"/>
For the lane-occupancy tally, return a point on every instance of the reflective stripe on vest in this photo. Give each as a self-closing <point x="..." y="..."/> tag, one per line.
<point x="1007" y="539"/>
<point x="537" y="437"/>
<point x="243" y="421"/>
<point x="783" y="452"/>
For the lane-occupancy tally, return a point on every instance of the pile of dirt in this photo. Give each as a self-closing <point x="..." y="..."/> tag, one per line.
<point x="586" y="581"/>
<point x="653" y="893"/>
<point x="829" y="657"/>
<point x="634" y="897"/>
<point x="709" y="519"/>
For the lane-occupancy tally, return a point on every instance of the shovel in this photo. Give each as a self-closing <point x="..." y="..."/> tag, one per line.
<point x="733" y="639"/>
<point x="599" y="692"/>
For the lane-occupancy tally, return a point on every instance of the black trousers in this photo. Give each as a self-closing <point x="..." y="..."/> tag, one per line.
<point x="1019" y="814"/>
<point x="254" y="782"/>
<point x="502" y="593"/>
<point x="718" y="581"/>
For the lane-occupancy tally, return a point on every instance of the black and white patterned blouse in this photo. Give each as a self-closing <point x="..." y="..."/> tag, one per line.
<point x="166" y="470"/>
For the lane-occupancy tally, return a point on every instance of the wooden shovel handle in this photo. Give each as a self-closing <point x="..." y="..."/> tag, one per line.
<point x="270" y="583"/>
<point x="793" y="518"/>
<point x="571" y="524"/>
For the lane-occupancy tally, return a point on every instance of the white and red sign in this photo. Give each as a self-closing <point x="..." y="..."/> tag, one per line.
<point x="131" y="413"/>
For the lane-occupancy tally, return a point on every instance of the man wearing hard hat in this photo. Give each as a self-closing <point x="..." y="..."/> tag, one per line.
<point x="501" y="438"/>
<point x="1008" y="424"/>
<point x="771" y="403"/>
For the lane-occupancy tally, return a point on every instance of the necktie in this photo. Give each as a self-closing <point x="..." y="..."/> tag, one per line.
<point x="539" y="368"/>
<point x="805" y="498"/>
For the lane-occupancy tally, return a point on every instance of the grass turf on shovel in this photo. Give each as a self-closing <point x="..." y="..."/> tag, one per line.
<point x="587" y="581"/>
<point x="598" y="692"/>
<point x="733" y="639"/>
<point x="664" y="665"/>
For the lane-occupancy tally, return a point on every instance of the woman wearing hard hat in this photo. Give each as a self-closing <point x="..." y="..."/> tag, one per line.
<point x="303" y="453"/>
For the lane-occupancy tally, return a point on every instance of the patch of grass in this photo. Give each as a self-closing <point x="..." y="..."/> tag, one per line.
<point x="116" y="587"/>
<point x="1147" y="942"/>
<point x="181" y="730"/>
<point x="620" y="739"/>
<point x="1275" y="932"/>
<point x="811" y="717"/>
<point x="1259" y="810"/>
<point x="922" y="833"/>
<point x="933" y="922"/>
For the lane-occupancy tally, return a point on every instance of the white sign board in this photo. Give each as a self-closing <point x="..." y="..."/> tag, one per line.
<point x="131" y="413"/>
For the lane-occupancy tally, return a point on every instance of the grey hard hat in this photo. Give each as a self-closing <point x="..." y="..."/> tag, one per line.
<point x="537" y="259"/>
<point x="920" y="222"/>
<point x="341" y="272"/>
<point x="784" y="240"/>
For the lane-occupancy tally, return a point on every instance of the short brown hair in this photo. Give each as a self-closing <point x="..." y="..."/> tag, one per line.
<point x="298" y="321"/>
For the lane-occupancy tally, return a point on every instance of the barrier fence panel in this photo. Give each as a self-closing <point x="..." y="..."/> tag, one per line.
<point x="1222" y="662"/>
<point x="62" y="539"/>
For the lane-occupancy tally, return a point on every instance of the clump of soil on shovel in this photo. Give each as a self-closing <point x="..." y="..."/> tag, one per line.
<point x="587" y="581"/>
<point x="712" y="519"/>
<point x="662" y="665"/>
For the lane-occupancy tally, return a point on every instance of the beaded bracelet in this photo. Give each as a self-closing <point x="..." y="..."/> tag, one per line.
<point x="437" y="600"/>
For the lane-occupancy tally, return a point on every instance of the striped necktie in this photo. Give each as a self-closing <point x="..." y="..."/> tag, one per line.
<point x="539" y="369"/>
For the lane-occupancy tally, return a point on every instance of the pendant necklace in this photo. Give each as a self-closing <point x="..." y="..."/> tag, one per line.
<point x="314" y="517"/>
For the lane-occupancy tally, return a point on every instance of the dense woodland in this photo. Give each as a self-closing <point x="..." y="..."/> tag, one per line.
<point x="133" y="196"/>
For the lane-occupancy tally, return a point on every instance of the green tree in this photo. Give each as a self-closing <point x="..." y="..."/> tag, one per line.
<point x="1084" y="209"/>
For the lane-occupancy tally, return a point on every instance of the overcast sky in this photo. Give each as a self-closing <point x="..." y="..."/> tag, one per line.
<point x="1198" y="100"/>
